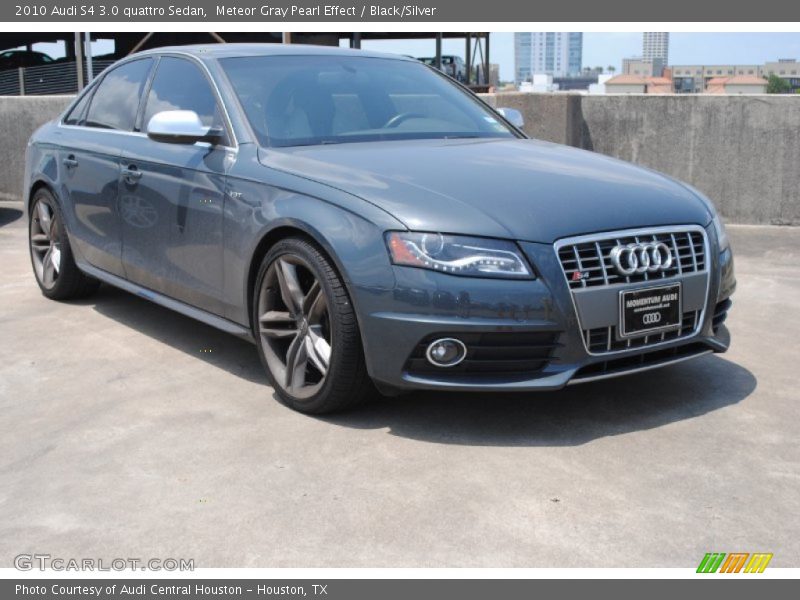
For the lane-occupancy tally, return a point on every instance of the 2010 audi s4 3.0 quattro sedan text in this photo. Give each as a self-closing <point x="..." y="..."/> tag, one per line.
<point x="368" y="222"/>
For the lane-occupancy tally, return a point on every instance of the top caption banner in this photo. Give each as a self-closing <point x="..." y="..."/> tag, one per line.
<point x="432" y="11"/>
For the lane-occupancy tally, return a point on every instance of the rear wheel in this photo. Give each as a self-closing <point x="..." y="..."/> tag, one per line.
<point x="53" y="264"/>
<point x="307" y="331"/>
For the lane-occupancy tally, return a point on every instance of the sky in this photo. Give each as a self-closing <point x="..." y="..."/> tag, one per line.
<point x="600" y="49"/>
<point x="604" y="49"/>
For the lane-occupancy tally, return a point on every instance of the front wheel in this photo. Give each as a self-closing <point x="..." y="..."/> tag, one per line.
<point x="307" y="331"/>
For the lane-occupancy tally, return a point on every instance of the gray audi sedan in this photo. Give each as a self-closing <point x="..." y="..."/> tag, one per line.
<point x="368" y="222"/>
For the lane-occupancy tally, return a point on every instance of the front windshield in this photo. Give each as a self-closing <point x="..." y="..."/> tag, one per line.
<point x="310" y="100"/>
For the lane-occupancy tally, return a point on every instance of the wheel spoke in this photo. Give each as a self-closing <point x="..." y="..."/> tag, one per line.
<point x="318" y="350"/>
<point x="318" y="310"/>
<point x="54" y="227"/>
<point x="40" y="242"/>
<point x="275" y="323"/>
<point x="296" y="362"/>
<point x="38" y="266"/>
<point x="311" y="297"/>
<point x="291" y="292"/>
<point x="43" y="212"/>
<point x="55" y="258"/>
<point x="49" y="276"/>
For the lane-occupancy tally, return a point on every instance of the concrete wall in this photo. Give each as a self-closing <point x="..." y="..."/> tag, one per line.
<point x="742" y="151"/>
<point x="19" y="118"/>
<point x="552" y="117"/>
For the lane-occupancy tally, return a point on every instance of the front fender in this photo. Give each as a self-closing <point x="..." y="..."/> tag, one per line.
<point x="257" y="214"/>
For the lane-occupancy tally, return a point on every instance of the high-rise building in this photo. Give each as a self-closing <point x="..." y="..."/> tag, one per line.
<point x="553" y="53"/>
<point x="655" y="46"/>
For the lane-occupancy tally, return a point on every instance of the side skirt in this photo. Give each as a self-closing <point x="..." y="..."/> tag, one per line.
<point x="190" y="311"/>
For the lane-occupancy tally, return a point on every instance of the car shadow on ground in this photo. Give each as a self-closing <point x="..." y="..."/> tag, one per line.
<point x="222" y="350"/>
<point x="573" y="416"/>
<point x="569" y="417"/>
<point x="8" y="214"/>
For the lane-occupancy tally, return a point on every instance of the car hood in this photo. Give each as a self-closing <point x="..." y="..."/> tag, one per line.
<point x="522" y="189"/>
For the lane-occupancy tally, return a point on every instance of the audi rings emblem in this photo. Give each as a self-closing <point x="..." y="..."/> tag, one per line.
<point x="651" y="318"/>
<point x="645" y="257"/>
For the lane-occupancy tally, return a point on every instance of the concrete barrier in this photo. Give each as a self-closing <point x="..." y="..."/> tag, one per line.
<point x="742" y="151"/>
<point x="552" y="117"/>
<point x="20" y="116"/>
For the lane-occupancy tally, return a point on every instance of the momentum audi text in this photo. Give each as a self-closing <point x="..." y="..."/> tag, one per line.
<point x="368" y="222"/>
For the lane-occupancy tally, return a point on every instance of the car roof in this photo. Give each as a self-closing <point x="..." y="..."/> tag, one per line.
<point x="17" y="51"/>
<point x="214" y="51"/>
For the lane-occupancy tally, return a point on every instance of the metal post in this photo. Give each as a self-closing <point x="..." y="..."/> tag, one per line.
<point x="141" y="43"/>
<point x="79" y="59"/>
<point x="69" y="49"/>
<point x="438" y="62"/>
<point x="355" y="41"/>
<point x="488" y="69"/>
<point x="469" y="58"/>
<point x="287" y="37"/>
<point x="89" y="66"/>
<point x="21" y="72"/>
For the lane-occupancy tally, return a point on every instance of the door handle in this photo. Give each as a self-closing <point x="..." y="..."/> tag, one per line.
<point x="70" y="162"/>
<point x="131" y="174"/>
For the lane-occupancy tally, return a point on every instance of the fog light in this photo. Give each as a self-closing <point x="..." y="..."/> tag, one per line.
<point x="446" y="352"/>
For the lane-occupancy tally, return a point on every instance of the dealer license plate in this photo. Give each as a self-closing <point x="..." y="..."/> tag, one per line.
<point x="650" y="309"/>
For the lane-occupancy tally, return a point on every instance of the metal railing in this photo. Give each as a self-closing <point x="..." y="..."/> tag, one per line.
<point x="56" y="78"/>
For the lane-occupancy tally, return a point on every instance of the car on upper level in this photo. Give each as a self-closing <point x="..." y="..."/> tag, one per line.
<point x="14" y="59"/>
<point x="452" y="65"/>
<point x="369" y="223"/>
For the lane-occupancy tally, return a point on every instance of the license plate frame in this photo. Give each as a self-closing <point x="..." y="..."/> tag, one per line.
<point x="670" y="310"/>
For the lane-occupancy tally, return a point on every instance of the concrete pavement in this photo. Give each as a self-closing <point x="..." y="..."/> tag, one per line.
<point x="130" y="431"/>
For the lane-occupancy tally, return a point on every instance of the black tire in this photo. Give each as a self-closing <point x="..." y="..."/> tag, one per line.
<point x="346" y="382"/>
<point x="70" y="282"/>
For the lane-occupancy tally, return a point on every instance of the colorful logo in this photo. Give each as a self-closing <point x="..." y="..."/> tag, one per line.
<point x="580" y="275"/>
<point x="735" y="562"/>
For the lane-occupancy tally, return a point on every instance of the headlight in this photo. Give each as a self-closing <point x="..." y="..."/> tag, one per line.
<point x="722" y="235"/>
<point x="458" y="255"/>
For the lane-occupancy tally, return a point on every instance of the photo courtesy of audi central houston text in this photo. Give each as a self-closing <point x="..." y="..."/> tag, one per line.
<point x="371" y="225"/>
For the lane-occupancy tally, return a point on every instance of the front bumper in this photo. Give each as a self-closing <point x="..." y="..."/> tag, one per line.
<point x="533" y="326"/>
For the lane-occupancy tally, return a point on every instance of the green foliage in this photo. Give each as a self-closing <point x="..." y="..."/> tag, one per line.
<point x="777" y="85"/>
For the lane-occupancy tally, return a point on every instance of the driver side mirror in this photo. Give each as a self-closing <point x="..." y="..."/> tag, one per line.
<point x="513" y="116"/>
<point x="180" y="127"/>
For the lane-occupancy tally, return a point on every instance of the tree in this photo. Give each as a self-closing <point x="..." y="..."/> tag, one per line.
<point x="777" y="85"/>
<point x="598" y="69"/>
<point x="611" y="68"/>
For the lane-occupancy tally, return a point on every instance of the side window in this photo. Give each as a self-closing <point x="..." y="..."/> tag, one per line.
<point x="116" y="101"/>
<point x="78" y="112"/>
<point x="181" y="85"/>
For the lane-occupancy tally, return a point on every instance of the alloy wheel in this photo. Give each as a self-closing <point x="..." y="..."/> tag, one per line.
<point x="294" y="326"/>
<point x="45" y="236"/>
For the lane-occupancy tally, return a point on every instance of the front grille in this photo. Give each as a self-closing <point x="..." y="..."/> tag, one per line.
<point x="604" y="339"/>
<point x="488" y="354"/>
<point x="720" y="313"/>
<point x="620" y="366"/>
<point x="592" y="257"/>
